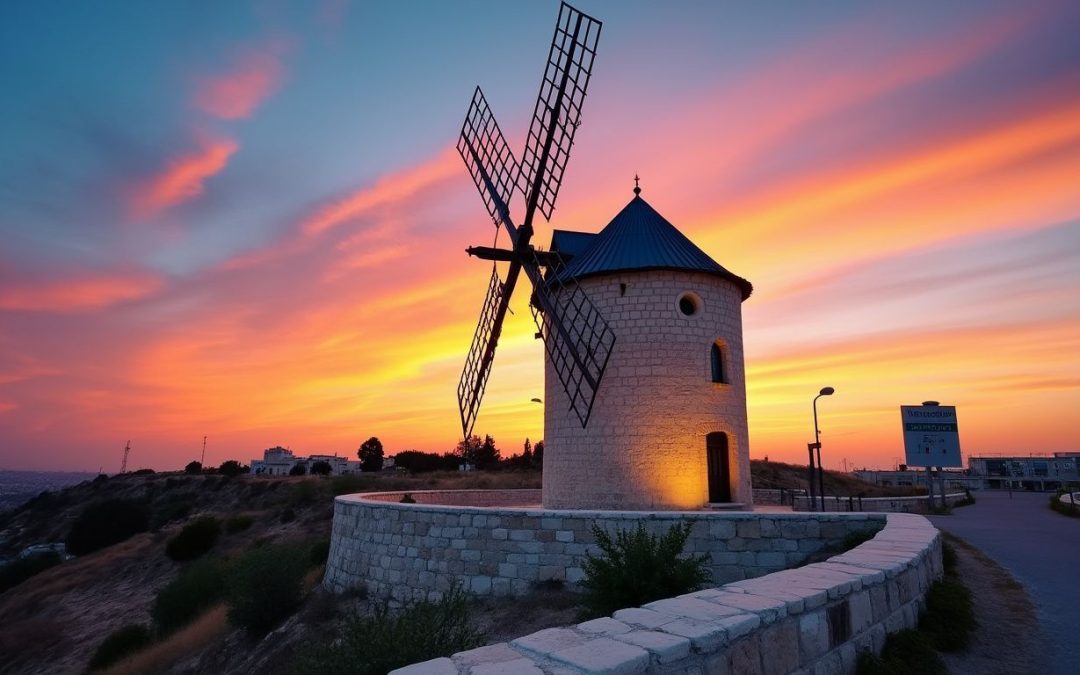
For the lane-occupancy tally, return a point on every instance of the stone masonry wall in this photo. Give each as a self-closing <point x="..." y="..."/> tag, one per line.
<point x="814" y="619"/>
<point x="644" y="447"/>
<point x="413" y="551"/>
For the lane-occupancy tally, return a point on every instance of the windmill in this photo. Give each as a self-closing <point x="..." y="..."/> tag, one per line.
<point x="577" y="338"/>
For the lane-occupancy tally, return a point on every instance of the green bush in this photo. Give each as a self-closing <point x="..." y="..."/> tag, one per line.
<point x="195" y="539"/>
<point x="320" y="551"/>
<point x="949" y="619"/>
<point x="385" y="640"/>
<point x="106" y="523"/>
<point x="122" y="642"/>
<point x="637" y="567"/>
<point x="238" y="523"/>
<point x="21" y="569"/>
<point x="905" y="653"/>
<point x="266" y="586"/>
<point x="1065" y="506"/>
<point x="199" y="586"/>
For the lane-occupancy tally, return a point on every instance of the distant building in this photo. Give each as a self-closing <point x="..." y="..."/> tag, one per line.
<point x="1018" y="472"/>
<point x="1046" y="472"/>
<point x="280" y="461"/>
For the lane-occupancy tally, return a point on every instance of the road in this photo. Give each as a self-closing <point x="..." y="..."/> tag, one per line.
<point x="1041" y="549"/>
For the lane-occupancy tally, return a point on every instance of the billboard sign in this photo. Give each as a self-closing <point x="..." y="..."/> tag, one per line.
<point x="930" y="435"/>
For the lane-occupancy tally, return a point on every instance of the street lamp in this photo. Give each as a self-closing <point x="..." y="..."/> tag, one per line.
<point x="826" y="391"/>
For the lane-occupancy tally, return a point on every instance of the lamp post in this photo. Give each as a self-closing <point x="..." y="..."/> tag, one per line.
<point x="826" y="391"/>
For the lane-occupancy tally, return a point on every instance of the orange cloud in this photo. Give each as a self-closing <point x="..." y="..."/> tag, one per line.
<point x="182" y="180"/>
<point x="77" y="294"/>
<point x="254" y="75"/>
<point x="392" y="188"/>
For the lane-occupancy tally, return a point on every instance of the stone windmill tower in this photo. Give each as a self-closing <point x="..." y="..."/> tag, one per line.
<point x="668" y="426"/>
<point x="645" y="398"/>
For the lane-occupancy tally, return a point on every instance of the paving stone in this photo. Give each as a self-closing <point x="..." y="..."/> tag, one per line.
<point x="691" y="608"/>
<point x="549" y="640"/>
<point x="604" y="656"/>
<point x="642" y="617"/>
<point x="604" y="626"/>
<point x="665" y="647"/>
<point x="519" y="666"/>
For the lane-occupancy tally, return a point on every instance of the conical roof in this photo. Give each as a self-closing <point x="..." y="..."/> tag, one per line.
<point x="639" y="239"/>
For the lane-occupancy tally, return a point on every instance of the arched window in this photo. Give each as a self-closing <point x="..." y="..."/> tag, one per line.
<point x="718" y="374"/>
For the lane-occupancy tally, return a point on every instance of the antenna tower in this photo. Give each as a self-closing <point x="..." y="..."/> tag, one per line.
<point x="127" y="450"/>
<point x="202" y="457"/>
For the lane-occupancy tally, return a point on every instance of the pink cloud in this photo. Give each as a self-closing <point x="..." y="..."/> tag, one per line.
<point x="182" y="180"/>
<point x="253" y="76"/>
<point x="73" y="295"/>
<point x="392" y="188"/>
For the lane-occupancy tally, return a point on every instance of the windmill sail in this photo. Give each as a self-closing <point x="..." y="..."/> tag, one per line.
<point x="558" y="107"/>
<point x="577" y="339"/>
<point x="481" y="355"/>
<point x="488" y="158"/>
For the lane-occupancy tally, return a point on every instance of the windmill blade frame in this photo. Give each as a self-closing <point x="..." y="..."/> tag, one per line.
<point x="577" y="339"/>
<point x="489" y="159"/>
<point x="557" y="114"/>
<point x="474" y="376"/>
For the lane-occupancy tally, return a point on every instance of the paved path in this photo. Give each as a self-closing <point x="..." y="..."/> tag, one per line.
<point x="1041" y="548"/>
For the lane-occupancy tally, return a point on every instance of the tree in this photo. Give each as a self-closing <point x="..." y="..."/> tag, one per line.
<point x="538" y="454"/>
<point x="487" y="455"/>
<point x="467" y="448"/>
<point x="321" y="468"/>
<point x="231" y="467"/>
<point x="371" y="455"/>
<point x="193" y="468"/>
<point x="297" y="470"/>
<point x="527" y="454"/>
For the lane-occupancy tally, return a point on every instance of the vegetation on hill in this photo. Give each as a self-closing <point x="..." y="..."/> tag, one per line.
<point x="777" y="475"/>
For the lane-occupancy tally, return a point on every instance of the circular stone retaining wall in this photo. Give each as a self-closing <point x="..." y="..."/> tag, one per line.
<point x="413" y="551"/>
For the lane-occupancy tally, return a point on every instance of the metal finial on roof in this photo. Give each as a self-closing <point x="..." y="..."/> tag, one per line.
<point x="637" y="188"/>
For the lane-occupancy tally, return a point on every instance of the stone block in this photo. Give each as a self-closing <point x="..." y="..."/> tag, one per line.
<point x="604" y="656"/>
<point x="691" y="608"/>
<point x="813" y="636"/>
<point x="664" y="647"/>
<point x="862" y="613"/>
<point x="704" y="636"/>
<point x="746" y="656"/>
<point x="547" y="641"/>
<point x="780" y="647"/>
<point x="519" y="666"/>
<point x="646" y="618"/>
<point x="604" y="626"/>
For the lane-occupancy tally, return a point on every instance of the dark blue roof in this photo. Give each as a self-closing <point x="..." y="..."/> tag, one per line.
<point x="637" y="239"/>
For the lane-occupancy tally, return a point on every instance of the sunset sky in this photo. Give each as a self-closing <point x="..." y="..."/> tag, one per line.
<point x="247" y="220"/>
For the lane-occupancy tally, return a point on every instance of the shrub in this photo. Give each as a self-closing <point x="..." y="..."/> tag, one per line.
<point x="968" y="499"/>
<point x="321" y="468"/>
<point x="106" y="523"/>
<point x="906" y="652"/>
<point x="239" y="523"/>
<point x="122" y="642"/>
<point x="949" y="619"/>
<point x="638" y="567"/>
<point x="232" y="468"/>
<point x="407" y="499"/>
<point x="174" y="507"/>
<point x="288" y="515"/>
<point x="21" y="569"/>
<point x="266" y="586"/>
<point x="298" y="470"/>
<point x="195" y="539"/>
<point x="193" y="468"/>
<point x="199" y="586"/>
<point x="320" y="551"/>
<point x="304" y="492"/>
<point x="380" y="642"/>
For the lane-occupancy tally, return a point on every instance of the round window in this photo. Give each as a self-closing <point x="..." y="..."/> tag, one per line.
<point x="689" y="304"/>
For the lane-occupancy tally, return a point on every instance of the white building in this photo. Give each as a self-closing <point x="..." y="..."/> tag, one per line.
<point x="280" y="461"/>
<point x="668" y="424"/>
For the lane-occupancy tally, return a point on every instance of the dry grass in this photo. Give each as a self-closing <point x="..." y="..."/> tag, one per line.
<point x="190" y="640"/>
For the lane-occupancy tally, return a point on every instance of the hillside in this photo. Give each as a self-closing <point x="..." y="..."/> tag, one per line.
<point x="54" y="621"/>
